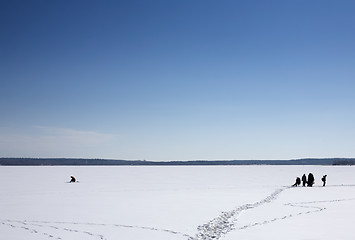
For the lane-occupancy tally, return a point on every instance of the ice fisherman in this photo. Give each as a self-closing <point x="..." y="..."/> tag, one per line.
<point x="304" y="180"/>
<point x="72" y="179"/>
<point x="310" y="181"/>
<point x="324" y="179"/>
<point x="298" y="182"/>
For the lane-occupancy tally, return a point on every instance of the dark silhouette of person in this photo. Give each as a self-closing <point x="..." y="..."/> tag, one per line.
<point x="310" y="181"/>
<point x="324" y="179"/>
<point x="72" y="179"/>
<point x="304" y="180"/>
<point x="298" y="182"/>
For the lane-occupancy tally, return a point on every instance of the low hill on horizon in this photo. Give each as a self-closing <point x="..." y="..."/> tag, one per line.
<point x="111" y="162"/>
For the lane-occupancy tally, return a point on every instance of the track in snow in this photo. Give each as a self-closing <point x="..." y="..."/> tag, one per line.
<point x="226" y="222"/>
<point x="44" y="227"/>
<point x="213" y="230"/>
<point x="312" y="209"/>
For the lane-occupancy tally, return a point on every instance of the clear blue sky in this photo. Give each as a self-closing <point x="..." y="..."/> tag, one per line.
<point x="177" y="80"/>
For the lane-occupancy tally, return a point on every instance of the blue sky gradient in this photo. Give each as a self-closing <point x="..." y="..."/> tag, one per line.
<point x="177" y="80"/>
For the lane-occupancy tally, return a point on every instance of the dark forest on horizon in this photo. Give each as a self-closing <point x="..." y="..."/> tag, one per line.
<point x="111" y="162"/>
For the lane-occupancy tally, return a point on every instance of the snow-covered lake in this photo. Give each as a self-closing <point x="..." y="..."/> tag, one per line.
<point x="187" y="203"/>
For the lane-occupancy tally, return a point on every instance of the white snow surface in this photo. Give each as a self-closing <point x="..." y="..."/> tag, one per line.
<point x="185" y="203"/>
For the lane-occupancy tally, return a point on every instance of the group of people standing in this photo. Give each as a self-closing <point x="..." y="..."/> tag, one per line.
<point x="309" y="181"/>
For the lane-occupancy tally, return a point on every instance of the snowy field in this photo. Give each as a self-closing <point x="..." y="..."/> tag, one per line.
<point x="185" y="203"/>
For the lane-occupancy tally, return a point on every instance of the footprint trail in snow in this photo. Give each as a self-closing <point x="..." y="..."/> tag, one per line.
<point x="226" y="222"/>
<point x="212" y="230"/>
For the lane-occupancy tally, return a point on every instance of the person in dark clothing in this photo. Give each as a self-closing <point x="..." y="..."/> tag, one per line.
<point x="298" y="182"/>
<point x="310" y="180"/>
<point x="304" y="180"/>
<point x="324" y="179"/>
<point x="72" y="179"/>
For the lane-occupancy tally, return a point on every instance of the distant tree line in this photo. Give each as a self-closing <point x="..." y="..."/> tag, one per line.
<point x="111" y="162"/>
<point x="344" y="162"/>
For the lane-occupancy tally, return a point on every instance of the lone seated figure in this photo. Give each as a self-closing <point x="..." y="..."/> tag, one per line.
<point x="72" y="179"/>
<point x="324" y="179"/>
<point x="298" y="182"/>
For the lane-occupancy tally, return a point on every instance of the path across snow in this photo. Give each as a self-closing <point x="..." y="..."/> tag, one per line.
<point x="226" y="222"/>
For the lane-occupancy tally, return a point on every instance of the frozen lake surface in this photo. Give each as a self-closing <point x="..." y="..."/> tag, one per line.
<point x="187" y="203"/>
